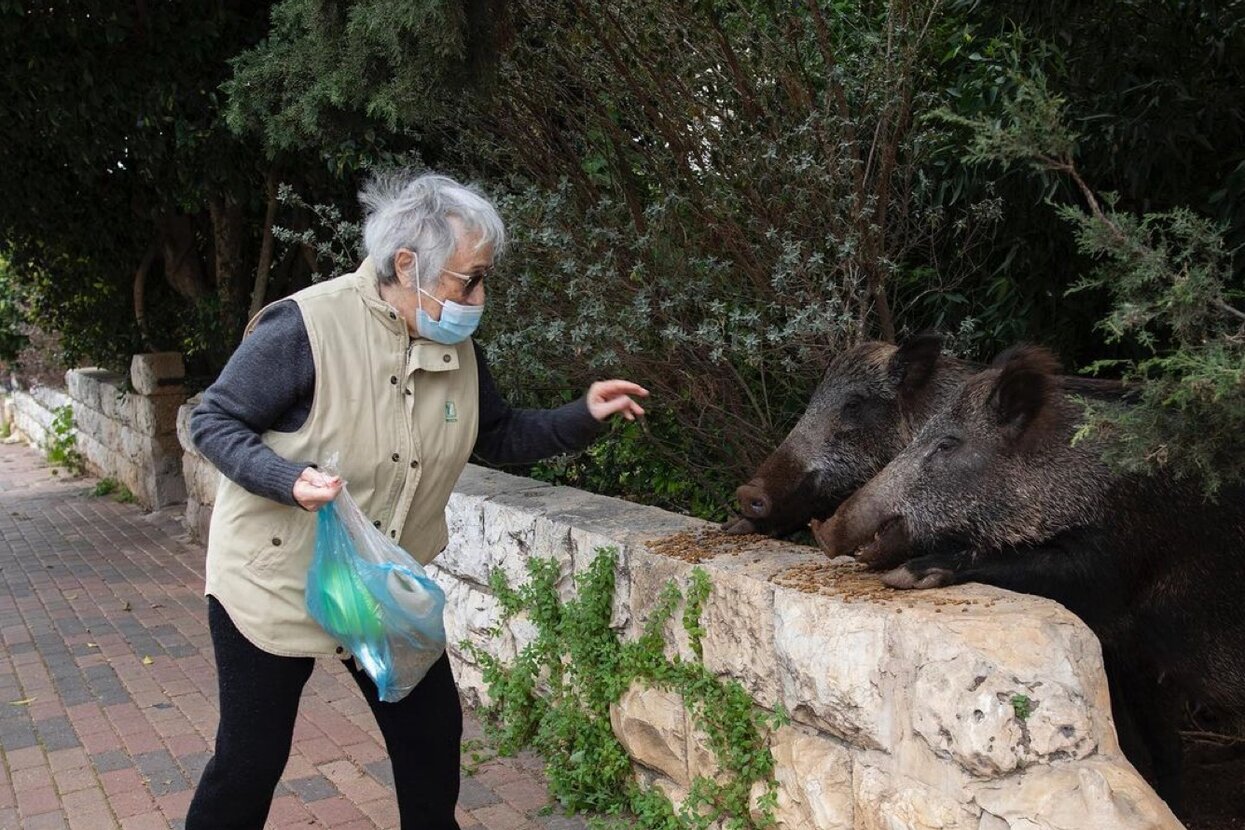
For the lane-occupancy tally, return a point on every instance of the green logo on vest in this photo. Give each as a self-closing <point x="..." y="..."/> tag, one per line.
<point x="451" y="413"/>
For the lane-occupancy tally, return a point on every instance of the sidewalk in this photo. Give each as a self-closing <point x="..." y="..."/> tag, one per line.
<point x="108" y="691"/>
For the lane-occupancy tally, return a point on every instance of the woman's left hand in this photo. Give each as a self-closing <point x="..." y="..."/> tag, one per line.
<point x="606" y="397"/>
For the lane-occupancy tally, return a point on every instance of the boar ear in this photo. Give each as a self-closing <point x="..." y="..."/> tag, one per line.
<point x="1025" y="383"/>
<point x="914" y="362"/>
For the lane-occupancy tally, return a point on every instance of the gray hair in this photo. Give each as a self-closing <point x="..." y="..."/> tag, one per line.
<point x="414" y="212"/>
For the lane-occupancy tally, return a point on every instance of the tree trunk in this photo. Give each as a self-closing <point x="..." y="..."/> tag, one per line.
<point x="140" y="294"/>
<point x="229" y="238"/>
<point x="260" y="291"/>
<point x="183" y="270"/>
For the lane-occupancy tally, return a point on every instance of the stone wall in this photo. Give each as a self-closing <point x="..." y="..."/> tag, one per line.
<point x="125" y="434"/>
<point x="29" y="413"/>
<point x="905" y="707"/>
<point x="200" y="477"/>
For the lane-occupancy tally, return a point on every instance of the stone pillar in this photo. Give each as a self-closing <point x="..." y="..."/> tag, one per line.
<point x="158" y="382"/>
<point x="201" y="477"/>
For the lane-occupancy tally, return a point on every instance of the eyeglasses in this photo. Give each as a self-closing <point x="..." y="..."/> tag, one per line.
<point x="472" y="280"/>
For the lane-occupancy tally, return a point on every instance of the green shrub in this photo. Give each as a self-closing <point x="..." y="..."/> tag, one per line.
<point x="556" y="697"/>
<point x="61" y="446"/>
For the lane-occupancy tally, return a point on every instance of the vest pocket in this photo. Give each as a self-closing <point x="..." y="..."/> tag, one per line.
<point x="277" y="544"/>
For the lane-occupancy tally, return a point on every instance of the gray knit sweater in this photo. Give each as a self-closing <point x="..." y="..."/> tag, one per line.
<point x="268" y="384"/>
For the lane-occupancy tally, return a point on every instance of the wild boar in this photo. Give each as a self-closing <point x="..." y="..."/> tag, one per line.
<point x="870" y="402"/>
<point x="995" y="484"/>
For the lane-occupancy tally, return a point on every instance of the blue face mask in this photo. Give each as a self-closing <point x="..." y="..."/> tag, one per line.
<point x="457" y="322"/>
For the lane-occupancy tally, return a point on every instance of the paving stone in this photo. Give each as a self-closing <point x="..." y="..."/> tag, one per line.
<point x="313" y="788"/>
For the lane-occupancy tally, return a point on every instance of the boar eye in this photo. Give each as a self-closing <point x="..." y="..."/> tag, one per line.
<point x="946" y="443"/>
<point x="852" y="407"/>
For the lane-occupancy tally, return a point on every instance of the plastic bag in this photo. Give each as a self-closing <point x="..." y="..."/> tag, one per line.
<point x="374" y="599"/>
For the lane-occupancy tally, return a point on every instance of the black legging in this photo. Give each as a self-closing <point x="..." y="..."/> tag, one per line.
<point x="259" y="695"/>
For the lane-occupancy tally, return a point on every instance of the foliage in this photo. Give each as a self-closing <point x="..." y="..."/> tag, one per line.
<point x="131" y="210"/>
<point x="13" y="337"/>
<point x="1152" y="92"/>
<point x="557" y="696"/>
<point x="111" y="487"/>
<point x="1171" y="284"/>
<point x="61" y="446"/>
<point x="1022" y="705"/>
<point x="708" y="197"/>
<point x="105" y="487"/>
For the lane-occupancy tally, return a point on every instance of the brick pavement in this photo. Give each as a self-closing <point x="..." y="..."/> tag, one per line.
<point x="108" y="691"/>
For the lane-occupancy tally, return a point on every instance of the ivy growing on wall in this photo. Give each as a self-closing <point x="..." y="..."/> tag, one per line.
<point x="556" y="699"/>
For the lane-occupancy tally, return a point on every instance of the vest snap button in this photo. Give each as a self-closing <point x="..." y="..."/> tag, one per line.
<point x="395" y="456"/>
<point x="414" y="464"/>
<point x="393" y="379"/>
<point x="408" y="391"/>
<point x="446" y="358"/>
<point x="276" y="541"/>
<point x="392" y="316"/>
<point x="340" y="650"/>
<point x="376" y="523"/>
<point x="394" y="534"/>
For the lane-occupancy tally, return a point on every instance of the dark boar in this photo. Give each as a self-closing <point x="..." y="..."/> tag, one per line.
<point x="996" y="485"/>
<point x="872" y="400"/>
<point x="869" y="404"/>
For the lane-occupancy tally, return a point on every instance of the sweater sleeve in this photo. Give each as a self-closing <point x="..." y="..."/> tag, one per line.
<point x="522" y="436"/>
<point x="266" y="381"/>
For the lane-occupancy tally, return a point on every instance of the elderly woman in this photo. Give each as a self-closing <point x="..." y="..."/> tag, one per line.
<point x="377" y="366"/>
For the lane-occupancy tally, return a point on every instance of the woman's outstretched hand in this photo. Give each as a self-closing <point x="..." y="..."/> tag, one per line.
<point x="608" y="397"/>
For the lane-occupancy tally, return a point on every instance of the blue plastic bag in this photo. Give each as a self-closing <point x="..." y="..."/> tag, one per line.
<point x="375" y="599"/>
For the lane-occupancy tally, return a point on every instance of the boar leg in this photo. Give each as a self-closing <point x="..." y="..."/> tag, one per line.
<point x="1052" y="571"/>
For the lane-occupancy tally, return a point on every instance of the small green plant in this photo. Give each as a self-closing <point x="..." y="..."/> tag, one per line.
<point x="1022" y="706"/>
<point x="556" y="697"/>
<point x="479" y="751"/>
<point x="124" y="495"/>
<point x="104" y="487"/>
<point x="61" y="447"/>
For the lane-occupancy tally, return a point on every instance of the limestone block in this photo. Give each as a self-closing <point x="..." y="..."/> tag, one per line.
<point x="183" y="424"/>
<point x="738" y="617"/>
<point x="888" y="802"/>
<point x="969" y="662"/>
<point x="989" y="821"/>
<point x="50" y="399"/>
<point x="207" y="482"/>
<point x="469" y="678"/>
<point x="966" y="707"/>
<point x="156" y="415"/>
<point x="87" y="386"/>
<point x="649" y="574"/>
<point x="514" y="527"/>
<point x="201" y="478"/>
<point x="486" y="483"/>
<point x="1091" y="793"/>
<point x="157" y="373"/>
<point x="651" y="724"/>
<point x="833" y="664"/>
<point x="197" y="520"/>
<point x="814" y="777"/>
<point x="466" y="556"/>
<point x="473" y="615"/>
<point x="672" y="790"/>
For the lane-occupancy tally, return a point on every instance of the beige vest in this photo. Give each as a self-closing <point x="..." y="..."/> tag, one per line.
<point x="402" y="414"/>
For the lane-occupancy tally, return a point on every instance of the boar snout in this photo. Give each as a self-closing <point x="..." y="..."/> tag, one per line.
<point x="754" y="502"/>
<point x="867" y="529"/>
